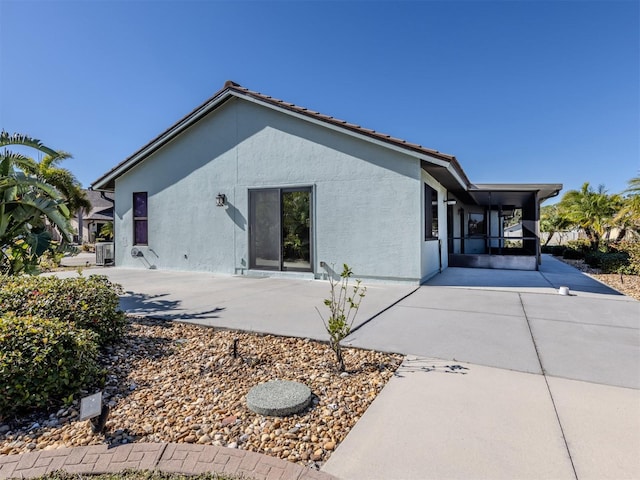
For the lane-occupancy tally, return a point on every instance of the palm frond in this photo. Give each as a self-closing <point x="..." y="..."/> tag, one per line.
<point x="25" y="140"/>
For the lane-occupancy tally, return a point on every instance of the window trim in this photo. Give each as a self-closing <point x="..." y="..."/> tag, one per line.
<point x="137" y="219"/>
<point x="281" y="191"/>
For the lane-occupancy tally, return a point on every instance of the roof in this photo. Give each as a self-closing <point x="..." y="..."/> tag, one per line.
<point x="447" y="165"/>
<point x="512" y="193"/>
<point x="101" y="205"/>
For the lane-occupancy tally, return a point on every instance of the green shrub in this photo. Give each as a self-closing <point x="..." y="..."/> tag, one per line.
<point x="572" y="254"/>
<point x="89" y="302"/>
<point x="594" y="259"/>
<point x="614" y="262"/>
<point x="632" y="249"/>
<point x="555" y="250"/>
<point x="43" y="362"/>
<point x="581" y="245"/>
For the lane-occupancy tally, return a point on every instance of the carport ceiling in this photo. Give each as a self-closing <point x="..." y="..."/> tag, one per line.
<point x="512" y="194"/>
<point x="513" y="199"/>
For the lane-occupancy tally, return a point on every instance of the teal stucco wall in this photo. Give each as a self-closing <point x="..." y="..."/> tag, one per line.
<point x="367" y="199"/>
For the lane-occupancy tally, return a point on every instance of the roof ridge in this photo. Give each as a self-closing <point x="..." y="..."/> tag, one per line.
<point x="337" y="121"/>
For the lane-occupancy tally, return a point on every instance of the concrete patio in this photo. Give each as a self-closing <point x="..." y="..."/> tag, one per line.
<point x="505" y="378"/>
<point x="265" y="305"/>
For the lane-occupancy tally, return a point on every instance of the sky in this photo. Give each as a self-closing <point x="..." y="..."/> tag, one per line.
<point x="519" y="91"/>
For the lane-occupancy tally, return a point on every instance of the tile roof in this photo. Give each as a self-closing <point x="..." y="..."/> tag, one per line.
<point x="230" y="85"/>
<point x="101" y="207"/>
<point x="230" y="89"/>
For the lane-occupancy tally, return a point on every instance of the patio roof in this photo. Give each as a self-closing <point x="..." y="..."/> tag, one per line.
<point x="512" y="193"/>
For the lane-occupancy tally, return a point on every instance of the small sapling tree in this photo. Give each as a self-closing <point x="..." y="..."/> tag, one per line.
<point x="343" y="307"/>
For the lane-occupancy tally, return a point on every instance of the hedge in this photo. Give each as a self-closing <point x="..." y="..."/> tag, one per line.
<point x="43" y="362"/>
<point x="88" y="302"/>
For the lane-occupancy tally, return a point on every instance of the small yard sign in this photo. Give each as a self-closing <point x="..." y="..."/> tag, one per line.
<point x="91" y="406"/>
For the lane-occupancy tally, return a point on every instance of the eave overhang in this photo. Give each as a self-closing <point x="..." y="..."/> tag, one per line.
<point x="513" y="194"/>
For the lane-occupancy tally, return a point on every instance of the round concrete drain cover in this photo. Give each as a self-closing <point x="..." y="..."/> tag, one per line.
<point x="279" y="398"/>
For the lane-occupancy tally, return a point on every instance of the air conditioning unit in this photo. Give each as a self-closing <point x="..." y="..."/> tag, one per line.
<point x="104" y="253"/>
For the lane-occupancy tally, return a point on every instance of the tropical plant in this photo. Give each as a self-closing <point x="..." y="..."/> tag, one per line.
<point x="107" y="230"/>
<point x="628" y="216"/>
<point x="47" y="170"/>
<point x="27" y="207"/>
<point x="590" y="210"/>
<point x="634" y="186"/>
<point x="552" y="221"/>
<point x="343" y="307"/>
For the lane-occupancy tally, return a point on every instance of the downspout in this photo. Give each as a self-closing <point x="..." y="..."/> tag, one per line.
<point x="80" y="226"/>
<point x="538" y="248"/>
<point x="489" y="225"/>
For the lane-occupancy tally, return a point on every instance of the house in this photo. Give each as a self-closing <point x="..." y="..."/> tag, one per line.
<point x="88" y="224"/>
<point x="250" y="185"/>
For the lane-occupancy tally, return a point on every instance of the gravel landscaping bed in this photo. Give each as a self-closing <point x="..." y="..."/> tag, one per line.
<point x="627" y="284"/>
<point x="172" y="382"/>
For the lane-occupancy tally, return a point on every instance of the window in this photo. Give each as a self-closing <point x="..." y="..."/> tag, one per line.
<point x="280" y="229"/>
<point x="477" y="225"/>
<point x="140" y="231"/>
<point x="430" y="213"/>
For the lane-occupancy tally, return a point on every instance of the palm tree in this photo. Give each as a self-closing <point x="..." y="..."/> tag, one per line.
<point x="67" y="184"/>
<point x="590" y="210"/>
<point x="634" y="186"/>
<point x="107" y="230"/>
<point x="628" y="216"/>
<point x="552" y="221"/>
<point x="27" y="204"/>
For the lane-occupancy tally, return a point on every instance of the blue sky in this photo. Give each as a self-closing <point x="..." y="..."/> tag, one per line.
<point x="519" y="91"/>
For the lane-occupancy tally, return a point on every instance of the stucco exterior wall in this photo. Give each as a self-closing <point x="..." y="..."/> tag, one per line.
<point x="367" y="199"/>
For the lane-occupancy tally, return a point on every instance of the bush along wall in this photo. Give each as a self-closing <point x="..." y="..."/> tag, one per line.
<point x="88" y="302"/>
<point x="43" y="362"/>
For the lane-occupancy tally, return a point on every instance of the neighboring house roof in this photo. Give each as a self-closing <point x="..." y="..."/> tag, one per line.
<point x="101" y="206"/>
<point x="445" y="165"/>
<point x="513" y="228"/>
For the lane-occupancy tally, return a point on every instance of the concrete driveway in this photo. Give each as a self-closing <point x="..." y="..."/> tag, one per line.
<point x="517" y="321"/>
<point x="508" y="379"/>
<point x="504" y="378"/>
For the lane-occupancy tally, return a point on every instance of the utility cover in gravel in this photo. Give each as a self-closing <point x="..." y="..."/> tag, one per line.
<point x="279" y="398"/>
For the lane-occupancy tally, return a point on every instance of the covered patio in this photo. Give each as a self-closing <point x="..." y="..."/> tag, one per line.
<point x="497" y="226"/>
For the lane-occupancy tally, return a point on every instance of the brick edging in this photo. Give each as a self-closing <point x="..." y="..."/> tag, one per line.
<point x="167" y="457"/>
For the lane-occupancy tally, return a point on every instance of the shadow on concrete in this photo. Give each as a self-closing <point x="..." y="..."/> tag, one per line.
<point x="552" y="275"/>
<point x="157" y="306"/>
<point x="413" y="365"/>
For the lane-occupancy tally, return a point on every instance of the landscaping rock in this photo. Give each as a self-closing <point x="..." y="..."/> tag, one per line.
<point x="187" y="387"/>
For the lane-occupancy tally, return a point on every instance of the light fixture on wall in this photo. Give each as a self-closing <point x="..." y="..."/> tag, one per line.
<point x="221" y="200"/>
<point x="450" y="202"/>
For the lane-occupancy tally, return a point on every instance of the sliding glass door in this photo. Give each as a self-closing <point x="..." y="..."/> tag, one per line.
<point x="280" y="229"/>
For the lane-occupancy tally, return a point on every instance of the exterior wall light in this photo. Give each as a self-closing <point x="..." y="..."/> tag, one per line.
<point x="221" y="200"/>
<point x="450" y="202"/>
